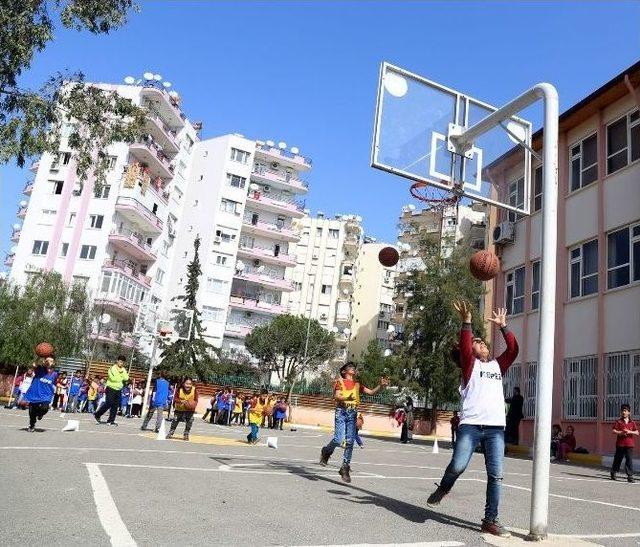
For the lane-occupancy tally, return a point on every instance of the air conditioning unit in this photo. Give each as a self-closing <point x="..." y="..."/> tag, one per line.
<point x="77" y="192"/>
<point x="266" y="188"/>
<point x="323" y="316"/>
<point x="256" y="262"/>
<point x="217" y="239"/>
<point x="248" y="314"/>
<point x="504" y="233"/>
<point x="274" y="165"/>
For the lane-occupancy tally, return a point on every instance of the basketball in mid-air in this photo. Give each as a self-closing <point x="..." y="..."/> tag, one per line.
<point x="44" y="349"/>
<point x="388" y="257"/>
<point x="484" y="265"/>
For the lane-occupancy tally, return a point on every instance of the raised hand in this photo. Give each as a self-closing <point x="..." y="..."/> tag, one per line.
<point x="499" y="317"/>
<point x="463" y="309"/>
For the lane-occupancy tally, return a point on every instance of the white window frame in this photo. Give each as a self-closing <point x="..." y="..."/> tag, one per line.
<point x="40" y="247"/>
<point x="47" y="216"/>
<point x="326" y="289"/>
<point x="538" y="186"/>
<point x="96" y="222"/>
<point x="580" y="388"/>
<point x="230" y="206"/>
<point x="103" y="193"/>
<point x="222" y="260"/>
<point x="535" y="290"/>
<point x="233" y="179"/>
<point x="216" y="286"/>
<point x="621" y="383"/>
<point x="579" y="261"/>
<point x="576" y="153"/>
<point x="241" y="156"/>
<point x="529" y="407"/>
<point x="510" y="283"/>
<point x="89" y="251"/>
<point x="634" y="269"/>
<point x="632" y="120"/>
<point x="334" y="233"/>
<point x="515" y="199"/>
<point x="212" y="314"/>
<point x="159" y="276"/>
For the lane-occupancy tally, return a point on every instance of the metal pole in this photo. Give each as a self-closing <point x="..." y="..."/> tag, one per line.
<point x="546" y="337"/>
<point x="145" y="403"/>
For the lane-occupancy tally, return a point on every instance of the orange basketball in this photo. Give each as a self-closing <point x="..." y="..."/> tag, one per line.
<point x="44" y="349"/>
<point x="388" y="256"/>
<point x="484" y="265"/>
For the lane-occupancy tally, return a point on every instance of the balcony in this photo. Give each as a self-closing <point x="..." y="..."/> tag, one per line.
<point x="272" y="153"/>
<point x="116" y="304"/>
<point x="253" y="304"/>
<point x="275" y="203"/>
<point x="136" y="212"/>
<point x="253" y="276"/>
<point x="114" y="337"/>
<point x="150" y="153"/>
<point x="162" y="134"/>
<point x="351" y="241"/>
<point x="22" y="211"/>
<point x="15" y="235"/>
<point x="237" y="331"/>
<point x="279" y="179"/>
<point x="34" y="166"/>
<point x="132" y="244"/>
<point x="28" y="188"/>
<point x="266" y="255"/>
<point x="158" y="100"/>
<point x="127" y="269"/>
<point x="269" y="230"/>
<point x="9" y="260"/>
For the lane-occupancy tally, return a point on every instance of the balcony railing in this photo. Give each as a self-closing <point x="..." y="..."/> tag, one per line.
<point x="129" y="270"/>
<point x="15" y="235"/>
<point x="9" y="260"/>
<point x="271" y="229"/>
<point x="163" y="130"/>
<point x="113" y="337"/>
<point x="280" y="178"/>
<point x="254" y="276"/>
<point x="150" y="152"/>
<point x="132" y="205"/>
<point x="22" y="211"/>
<point x="34" y="166"/>
<point x="132" y="244"/>
<point x="237" y="330"/>
<point x="280" y="153"/>
<point x="253" y="303"/>
<point x="267" y="254"/>
<point x="151" y="89"/>
<point x="278" y="201"/>
<point x="115" y="302"/>
<point x="28" y="188"/>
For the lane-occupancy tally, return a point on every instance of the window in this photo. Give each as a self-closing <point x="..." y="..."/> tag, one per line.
<point x="229" y="206"/>
<point x="102" y="192"/>
<point x="159" y="276"/>
<point x="623" y="141"/>
<point x="223" y="236"/>
<point x="240" y="156"/>
<point x="210" y="313"/>
<point x="511" y="379"/>
<point x="124" y="287"/>
<point x="217" y="286"/>
<point x="537" y="189"/>
<point x="221" y="260"/>
<point x="56" y="187"/>
<point x="72" y="219"/>
<point x="535" y="285"/>
<point x="333" y="233"/>
<point x="580" y="387"/>
<point x="530" y="389"/>
<point x="88" y="252"/>
<point x="326" y="289"/>
<point x="46" y="219"/>
<point x="516" y="198"/>
<point x="383" y="325"/>
<point x="177" y="193"/>
<point x="188" y="143"/>
<point x="297" y="285"/>
<point x="621" y="383"/>
<point x="181" y="168"/>
<point x="64" y="249"/>
<point x="112" y="162"/>
<point x="319" y="231"/>
<point x="40" y="247"/>
<point x="515" y="291"/>
<point x="62" y="158"/>
<point x="236" y="181"/>
<point x="95" y="221"/>
<point x="165" y="248"/>
<point x="583" y="159"/>
<point x="623" y="256"/>
<point x="583" y="269"/>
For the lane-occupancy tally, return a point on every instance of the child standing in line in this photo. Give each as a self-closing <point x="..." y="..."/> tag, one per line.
<point x="455" y="424"/>
<point x="625" y="429"/>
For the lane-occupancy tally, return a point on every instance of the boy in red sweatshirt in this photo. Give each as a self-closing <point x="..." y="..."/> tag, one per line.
<point x="482" y="419"/>
<point x="625" y="430"/>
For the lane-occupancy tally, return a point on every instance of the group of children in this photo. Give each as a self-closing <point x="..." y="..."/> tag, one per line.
<point x="228" y="407"/>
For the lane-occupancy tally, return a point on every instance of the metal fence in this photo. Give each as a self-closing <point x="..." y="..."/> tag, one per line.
<point x="530" y="389"/>
<point x="580" y="388"/>
<point x="622" y="383"/>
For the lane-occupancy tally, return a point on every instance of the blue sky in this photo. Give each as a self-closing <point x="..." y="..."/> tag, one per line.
<point x="306" y="73"/>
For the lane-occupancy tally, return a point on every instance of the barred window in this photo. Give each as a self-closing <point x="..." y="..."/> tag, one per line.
<point x="580" y="387"/>
<point x="512" y="379"/>
<point x="622" y="383"/>
<point x="530" y="389"/>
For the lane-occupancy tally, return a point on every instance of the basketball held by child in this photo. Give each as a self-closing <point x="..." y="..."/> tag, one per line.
<point x="388" y="257"/>
<point x="44" y="349"/>
<point x="484" y="265"/>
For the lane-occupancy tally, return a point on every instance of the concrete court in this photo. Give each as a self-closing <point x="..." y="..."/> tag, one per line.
<point x="104" y="485"/>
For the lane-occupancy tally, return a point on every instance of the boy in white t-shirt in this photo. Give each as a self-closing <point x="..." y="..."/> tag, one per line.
<point x="482" y="419"/>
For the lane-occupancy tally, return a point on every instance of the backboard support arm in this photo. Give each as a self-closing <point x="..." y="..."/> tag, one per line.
<point x="539" y="516"/>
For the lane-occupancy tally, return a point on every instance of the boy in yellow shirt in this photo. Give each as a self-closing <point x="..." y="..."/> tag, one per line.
<point x="256" y="414"/>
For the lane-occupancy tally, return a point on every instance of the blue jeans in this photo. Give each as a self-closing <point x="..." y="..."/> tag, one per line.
<point x="254" y="432"/>
<point x="344" y="432"/>
<point x="91" y="406"/>
<point x="492" y="440"/>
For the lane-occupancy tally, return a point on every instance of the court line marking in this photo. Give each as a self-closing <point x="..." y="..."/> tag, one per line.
<point x="107" y="510"/>
<point x="422" y="544"/>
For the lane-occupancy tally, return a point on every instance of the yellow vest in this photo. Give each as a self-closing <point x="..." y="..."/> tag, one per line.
<point x="354" y="392"/>
<point x="184" y="396"/>
<point x="255" y="414"/>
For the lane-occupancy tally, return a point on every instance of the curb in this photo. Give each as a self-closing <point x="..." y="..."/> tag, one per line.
<point x="586" y="460"/>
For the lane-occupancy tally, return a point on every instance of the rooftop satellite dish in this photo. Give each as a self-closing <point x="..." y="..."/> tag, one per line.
<point x="157" y="77"/>
<point x="391" y="329"/>
<point x="129" y="80"/>
<point x="16" y="226"/>
<point x="295" y="150"/>
<point x="105" y="318"/>
<point x="334" y="330"/>
<point x="411" y="207"/>
<point x="23" y="203"/>
<point x="14" y="249"/>
<point x="358" y="218"/>
<point x="148" y="76"/>
<point x="167" y="84"/>
<point x="271" y="143"/>
<point x="282" y="145"/>
<point x="346" y="332"/>
<point x="239" y="265"/>
<point x="173" y="94"/>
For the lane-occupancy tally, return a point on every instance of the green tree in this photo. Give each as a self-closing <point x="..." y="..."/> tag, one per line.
<point x="45" y="309"/>
<point x="193" y="356"/>
<point x="424" y="363"/>
<point x="280" y="345"/>
<point x="373" y="365"/>
<point x="32" y="120"/>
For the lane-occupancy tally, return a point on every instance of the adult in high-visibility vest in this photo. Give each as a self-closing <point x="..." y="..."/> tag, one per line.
<point x="185" y="404"/>
<point x="347" y="392"/>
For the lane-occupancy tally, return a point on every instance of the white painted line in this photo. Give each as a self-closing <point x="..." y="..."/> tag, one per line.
<point x="423" y="544"/>
<point x="107" y="511"/>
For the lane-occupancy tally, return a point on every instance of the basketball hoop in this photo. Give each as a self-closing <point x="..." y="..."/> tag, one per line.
<point x="436" y="198"/>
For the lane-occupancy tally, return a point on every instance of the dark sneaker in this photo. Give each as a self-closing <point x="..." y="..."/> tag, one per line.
<point x="170" y="434"/>
<point x="97" y="419"/>
<point x="345" y="473"/>
<point x="613" y="476"/>
<point x="156" y="430"/>
<point x="324" y="457"/>
<point x="494" y="528"/>
<point x="143" y="428"/>
<point x="113" y="423"/>
<point x="436" y="496"/>
<point x="249" y="438"/>
<point x="185" y="437"/>
<point x="630" y="479"/>
<point x="31" y="429"/>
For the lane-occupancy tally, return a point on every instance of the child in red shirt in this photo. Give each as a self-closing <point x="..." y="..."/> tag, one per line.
<point x="625" y="429"/>
<point x="567" y="444"/>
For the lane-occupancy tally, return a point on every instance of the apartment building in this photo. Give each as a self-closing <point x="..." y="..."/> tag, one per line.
<point x="323" y="277"/>
<point x="372" y="301"/>
<point x="242" y="200"/>
<point x="116" y="239"/>
<point x="597" y="338"/>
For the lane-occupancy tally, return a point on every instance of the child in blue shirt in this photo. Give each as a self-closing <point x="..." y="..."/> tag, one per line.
<point x="41" y="391"/>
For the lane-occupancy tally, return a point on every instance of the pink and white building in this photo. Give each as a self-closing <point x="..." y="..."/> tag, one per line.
<point x="597" y="340"/>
